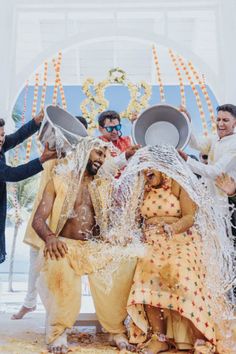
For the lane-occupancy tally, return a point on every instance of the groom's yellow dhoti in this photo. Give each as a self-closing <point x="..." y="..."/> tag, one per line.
<point x="59" y="284"/>
<point x="59" y="287"/>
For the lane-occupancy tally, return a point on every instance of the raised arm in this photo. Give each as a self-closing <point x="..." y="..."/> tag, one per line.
<point x="16" y="174"/>
<point x="24" y="132"/>
<point x="202" y="144"/>
<point x="53" y="245"/>
<point x="212" y="171"/>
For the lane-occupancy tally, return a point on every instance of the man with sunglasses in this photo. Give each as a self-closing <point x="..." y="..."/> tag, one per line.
<point x="109" y="125"/>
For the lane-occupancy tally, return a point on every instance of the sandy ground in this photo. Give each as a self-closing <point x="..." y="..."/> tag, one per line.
<point x="26" y="336"/>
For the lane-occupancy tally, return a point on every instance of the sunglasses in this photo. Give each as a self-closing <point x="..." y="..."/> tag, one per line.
<point x="115" y="127"/>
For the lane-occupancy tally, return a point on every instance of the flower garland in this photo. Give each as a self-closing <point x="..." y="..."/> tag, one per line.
<point x="95" y="96"/>
<point x="137" y="100"/>
<point x="58" y="83"/>
<point x="88" y="106"/>
<point x="43" y="97"/>
<point x="16" y="204"/>
<point x="44" y="88"/>
<point x="205" y="93"/>
<point x="34" y="109"/>
<point x="117" y="76"/>
<point x="181" y="83"/>
<point x="56" y="64"/>
<point x="198" y="99"/>
<point x="158" y="72"/>
<point x="16" y="150"/>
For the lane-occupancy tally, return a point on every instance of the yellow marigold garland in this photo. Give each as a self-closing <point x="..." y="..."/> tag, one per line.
<point x="115" y="76"/>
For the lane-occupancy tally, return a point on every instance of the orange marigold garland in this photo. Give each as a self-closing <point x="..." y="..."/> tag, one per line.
<point x="16" y="204"/>
<point x="202" y="85"/>
<point x="34" y="109"/>
<point x="42" y="104"/>
<point x="198" y="99"/>
<point x="57" y="67"/>
<point x="178" y="72"/>
<point x="18" y="218"/>
<point x="158" y="72"/>
<point x="16" y="150"/>
<point x="44" y="88"/>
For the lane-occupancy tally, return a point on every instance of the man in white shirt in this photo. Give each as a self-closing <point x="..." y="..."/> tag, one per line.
<point x="220" y="148"/>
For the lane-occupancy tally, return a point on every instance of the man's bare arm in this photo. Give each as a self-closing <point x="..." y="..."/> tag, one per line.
<point x="53" y="245"/>
<point x="43" y="211"/>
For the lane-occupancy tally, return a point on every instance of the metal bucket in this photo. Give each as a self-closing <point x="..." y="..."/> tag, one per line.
<point x="162" y="124"/>
<point x="59" y="121"/>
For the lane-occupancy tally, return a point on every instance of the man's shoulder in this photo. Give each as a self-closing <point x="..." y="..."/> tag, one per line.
<point x="126" y="138"/>
<point x="103" y="138"/>
<point x="232" y="139"/>
<point x="229" y="141"/>
<point x="125" y="141"/>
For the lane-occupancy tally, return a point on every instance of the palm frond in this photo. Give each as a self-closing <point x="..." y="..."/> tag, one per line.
<point x="25" y="193"/>
<point x="16" y="115"/>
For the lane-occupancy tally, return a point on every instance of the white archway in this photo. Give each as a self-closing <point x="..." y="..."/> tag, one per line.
<point x="90" y="38"/>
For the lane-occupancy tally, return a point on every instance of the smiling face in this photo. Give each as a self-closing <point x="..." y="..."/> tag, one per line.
<point x="225" y="124"/>
<point x="96" y="160"/>
<point x="152" y="177"/>
<point x="114" y="134"/>
<point x="2" y="137"/>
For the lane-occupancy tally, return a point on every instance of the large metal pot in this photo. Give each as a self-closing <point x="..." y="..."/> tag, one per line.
<point x="162" y="124"/>
<point x="59" y="124"/>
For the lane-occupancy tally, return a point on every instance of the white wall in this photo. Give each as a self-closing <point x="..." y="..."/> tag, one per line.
<point x="32" y="31"/>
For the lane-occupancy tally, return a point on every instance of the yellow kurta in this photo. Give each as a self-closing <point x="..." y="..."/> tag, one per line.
<point x="170" y="277"/>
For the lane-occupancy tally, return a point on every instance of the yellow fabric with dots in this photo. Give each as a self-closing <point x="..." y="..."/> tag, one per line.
<point x="171" y="276"/>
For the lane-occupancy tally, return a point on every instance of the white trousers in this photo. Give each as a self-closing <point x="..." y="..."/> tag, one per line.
<point x="31" y="295"/>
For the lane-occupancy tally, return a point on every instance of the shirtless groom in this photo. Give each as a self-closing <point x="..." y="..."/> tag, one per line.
<point x="67" y="257"/>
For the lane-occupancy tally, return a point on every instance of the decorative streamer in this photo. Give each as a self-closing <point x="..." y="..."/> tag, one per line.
<point x="16" y="205"/>
<point x="178" y="72"/>
<point x="198" y="99"/>
<point x="202" y="85"/>
<point x="34" y="109"/>
<point x="42" y="104"/>
<point x="39" y="146"/>
<point x="158" y="72"/>
<point x="44" y="88"/>
<point x="16" y="150"/>
<point x="56" y="65"/>
<point x="16" y="160"/>
<point x="58" y="83"/>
